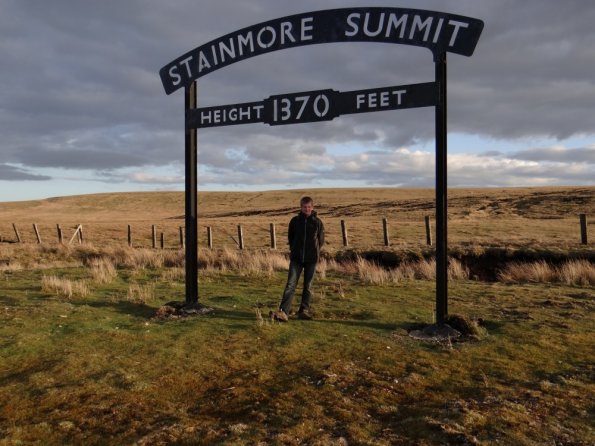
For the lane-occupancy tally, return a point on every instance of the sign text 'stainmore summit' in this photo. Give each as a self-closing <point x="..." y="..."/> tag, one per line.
<point x="440" y="32"/>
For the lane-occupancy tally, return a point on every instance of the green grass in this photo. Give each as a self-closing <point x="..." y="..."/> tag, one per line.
<point x="98" y="370"/>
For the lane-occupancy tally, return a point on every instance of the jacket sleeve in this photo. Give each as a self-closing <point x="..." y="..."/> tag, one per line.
<point x="291" y="232"/>
<point x="321" y="234"/>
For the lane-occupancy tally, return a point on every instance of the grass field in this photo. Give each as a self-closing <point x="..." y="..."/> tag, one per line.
<point x="98" y="370"/>
<point x="478" y="217"/>
<point x="83" y="360"/>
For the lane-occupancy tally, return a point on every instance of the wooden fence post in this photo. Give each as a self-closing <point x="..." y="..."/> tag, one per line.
<point x="129" y="236"/>
<point x="81" y="240"/>
<point x="240" y="237"/>
<point x="37" y="233"/>
<point x="162" y="240"/>
<point x="181" y="237"/>
<point x="385" y="230"/>
<point x="210" y="237"/>
<point x="428" y="231"/>
<point x="154" y="236"/>
<point x="60" y="237"/>
<point x="77" y="233"/>
<point x="16" y="231"/>
<point x="583" y="219"/>
<point x="273" y="236"/>
<point x="344" y="232"/>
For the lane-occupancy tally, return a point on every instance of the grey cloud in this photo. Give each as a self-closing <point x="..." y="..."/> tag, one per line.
<point x="13" y="173"/>
<point x="490" y="153"/>
<point x="400" y="167"/>
<point x="77" y="159"/>
<point x="140" y="177"/>
<point x="81" y="85"/>
<point x="557" y="154"/>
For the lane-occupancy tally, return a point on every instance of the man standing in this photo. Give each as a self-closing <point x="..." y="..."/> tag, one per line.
<point x="306" y="237"/>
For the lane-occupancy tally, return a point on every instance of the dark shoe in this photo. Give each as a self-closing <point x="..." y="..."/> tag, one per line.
<point x="304" y="315"/>
<point x="280" y="316"/>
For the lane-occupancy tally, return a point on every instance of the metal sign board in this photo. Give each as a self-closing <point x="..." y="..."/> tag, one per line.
<point x="313" y="106"/>
<point x="439" y="32"/>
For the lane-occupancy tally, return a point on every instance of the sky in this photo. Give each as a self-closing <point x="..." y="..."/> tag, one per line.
<point x="83" y="110"/>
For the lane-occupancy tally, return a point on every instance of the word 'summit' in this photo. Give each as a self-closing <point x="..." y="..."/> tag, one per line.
<point x="439" y="32"/>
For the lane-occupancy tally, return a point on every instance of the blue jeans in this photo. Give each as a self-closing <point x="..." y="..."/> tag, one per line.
<point x="295" y="270"/>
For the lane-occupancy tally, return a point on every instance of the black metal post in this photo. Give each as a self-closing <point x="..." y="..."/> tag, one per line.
<point x="191" y="200"/>
<point x="441" y="193"/>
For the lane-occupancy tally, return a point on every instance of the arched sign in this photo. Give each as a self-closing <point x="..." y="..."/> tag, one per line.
<point x="437" y="31"/>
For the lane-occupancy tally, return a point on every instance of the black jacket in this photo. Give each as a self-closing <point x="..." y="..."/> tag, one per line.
<point x="306" y="237"/>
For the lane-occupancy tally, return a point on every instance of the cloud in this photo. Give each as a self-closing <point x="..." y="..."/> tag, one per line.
<point x="558" y="154"/>
<point x="81" y="91"/>
<point x="14" y="173"/>
<point x="77" y="159"/>
<point x="143" y="177"/>
<point x="395" y="167"/>
<point x="139" y="177"/>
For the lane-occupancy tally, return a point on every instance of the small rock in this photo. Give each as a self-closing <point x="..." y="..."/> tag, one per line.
<point x="66" y="425"/>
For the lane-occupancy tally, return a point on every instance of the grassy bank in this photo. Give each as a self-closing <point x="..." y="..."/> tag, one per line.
<point x="94" y="368"/>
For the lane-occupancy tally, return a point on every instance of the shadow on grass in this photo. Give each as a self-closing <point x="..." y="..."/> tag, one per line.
<point x="9" y="301"/>
<point x="123" y="307"/>
<point x="221" y="298"/>
<point x="34" y="366"/>
<point x="357" y="323"/>
<point x="220" y="313"/>
<point x="234" y="319"/>
<point x="493" y="326"/>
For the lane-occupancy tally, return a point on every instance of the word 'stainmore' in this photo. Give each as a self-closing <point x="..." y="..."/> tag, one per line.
<point x="440" y="32"/>
<point x="242" y="45"/>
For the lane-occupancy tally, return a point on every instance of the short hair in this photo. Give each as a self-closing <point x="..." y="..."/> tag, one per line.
<point x="306" y="200"/>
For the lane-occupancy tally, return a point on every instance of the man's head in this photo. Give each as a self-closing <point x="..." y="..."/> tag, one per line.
<point x="307" y="206"/>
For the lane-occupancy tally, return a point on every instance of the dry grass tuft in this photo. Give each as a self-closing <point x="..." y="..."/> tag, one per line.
<point x="369" y="272"/>
<point x="64" y="287"/>
<point x="143" y="258"/>
<point x="174" y="274"/>
<point x="103" y="270"/>
<point x="259" y="318"/>
<point x="11" y="266"/>
<point x="425" y="269"/>
<point x="325" y="265"/>
<point x="372" y="273"/>
<point x="253" y="263"/>
<point x="575" y="272"/>
<point x="518" y="272"/>
<point x="141" y="293"/>
<point x="457" y="271"/>
<point x="578" y="272"/>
